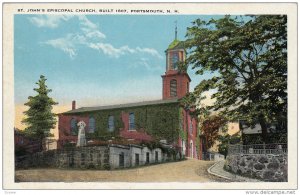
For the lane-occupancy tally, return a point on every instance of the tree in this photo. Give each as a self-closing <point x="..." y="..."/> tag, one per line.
<point x="248" y="56"/>
<point x="40" y="119"/>
<point x="210" y="129"/>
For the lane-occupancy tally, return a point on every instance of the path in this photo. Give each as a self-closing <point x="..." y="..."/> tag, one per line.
<point x="217" y="170"/>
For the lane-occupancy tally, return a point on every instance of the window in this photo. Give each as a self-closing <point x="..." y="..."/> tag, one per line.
<point x="191" y="126"/>
<point x="92" y="125"/>
<point x="131" y="121"/>
<point x="175" y="59"/>
<point x="73" y="126"/>
<point x="111" y="125"/>
<point x="173" y="88"/>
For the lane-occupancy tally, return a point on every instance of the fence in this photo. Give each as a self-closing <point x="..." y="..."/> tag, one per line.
<point x="277" y="148"/>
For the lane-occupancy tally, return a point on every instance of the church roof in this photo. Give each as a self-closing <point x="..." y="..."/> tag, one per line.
<point x="176" y="44"/>
<point x="137" y="104"/>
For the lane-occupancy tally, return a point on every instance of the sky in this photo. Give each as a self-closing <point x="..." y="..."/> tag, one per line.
<point x="95" y="59"/>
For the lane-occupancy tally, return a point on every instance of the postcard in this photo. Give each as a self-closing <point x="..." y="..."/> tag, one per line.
<point x="150" y="96"/>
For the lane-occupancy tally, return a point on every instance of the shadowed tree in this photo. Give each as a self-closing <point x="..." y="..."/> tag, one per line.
<point x="249" y="62"/>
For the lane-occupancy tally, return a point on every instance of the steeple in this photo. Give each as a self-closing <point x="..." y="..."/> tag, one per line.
<point x="175" y="83"/>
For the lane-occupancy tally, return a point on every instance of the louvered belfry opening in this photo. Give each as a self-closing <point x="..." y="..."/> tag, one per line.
<point x="173" y="88"/>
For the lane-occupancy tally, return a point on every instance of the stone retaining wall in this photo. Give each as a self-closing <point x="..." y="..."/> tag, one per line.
<point x="82" y="157"/>
<point x="272" y="168"/>
<point x="96" y="157"/>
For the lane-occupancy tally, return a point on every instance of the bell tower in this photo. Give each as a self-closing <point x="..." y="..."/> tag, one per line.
<point x="176" y="83"/>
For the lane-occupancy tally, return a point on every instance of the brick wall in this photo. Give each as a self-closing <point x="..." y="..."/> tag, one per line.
<point x="182" y="84"/>
<point x="64" y="126"/>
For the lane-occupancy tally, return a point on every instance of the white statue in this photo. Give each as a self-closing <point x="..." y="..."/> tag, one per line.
<point x="81" y="134"/>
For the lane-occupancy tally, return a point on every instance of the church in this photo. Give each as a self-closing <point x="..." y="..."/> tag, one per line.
<point x="166" y="120"/>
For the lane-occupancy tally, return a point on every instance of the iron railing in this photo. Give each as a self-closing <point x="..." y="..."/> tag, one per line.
<point x="277" y="148"/>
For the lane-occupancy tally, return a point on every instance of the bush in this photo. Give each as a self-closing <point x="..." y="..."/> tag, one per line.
<point x="20" y="151"/>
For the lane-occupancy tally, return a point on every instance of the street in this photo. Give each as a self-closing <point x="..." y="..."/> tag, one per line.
<point x="190" y="170"/>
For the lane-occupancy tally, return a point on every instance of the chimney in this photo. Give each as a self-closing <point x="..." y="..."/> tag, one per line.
<point x="73" y="105"/>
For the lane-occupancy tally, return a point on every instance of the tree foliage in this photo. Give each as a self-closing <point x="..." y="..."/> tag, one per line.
<point x="210" y="128"/>
<point x="248" y="56"/>
<point x="40" y="119"/>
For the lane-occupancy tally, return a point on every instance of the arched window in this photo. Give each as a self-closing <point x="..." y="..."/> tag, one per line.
<point x="131" y="121"/>
<point x="173" y="88"/>
<point x="191" y="125"/>
<point x="73" y="126"/>
<point x="92" y="125"/>
<point x="111" y="123"/>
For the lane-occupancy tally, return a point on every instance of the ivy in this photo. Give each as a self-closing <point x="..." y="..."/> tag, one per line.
<point x="159" y="121"/>
<point x="182" y="133"/>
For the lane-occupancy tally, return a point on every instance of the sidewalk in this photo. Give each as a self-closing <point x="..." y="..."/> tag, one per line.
<point x="217" y="170"/>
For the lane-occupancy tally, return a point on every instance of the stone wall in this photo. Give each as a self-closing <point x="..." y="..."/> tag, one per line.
<point x="82" y="157"/>
<point x="97" y="157"/>
<point x="272" y="168"/>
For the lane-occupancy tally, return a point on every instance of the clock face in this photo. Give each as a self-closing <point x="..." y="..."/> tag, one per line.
<point x="175" y="59"/>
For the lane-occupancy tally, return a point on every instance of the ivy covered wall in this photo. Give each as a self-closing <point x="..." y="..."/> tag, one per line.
<point x="160" y="121"/>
